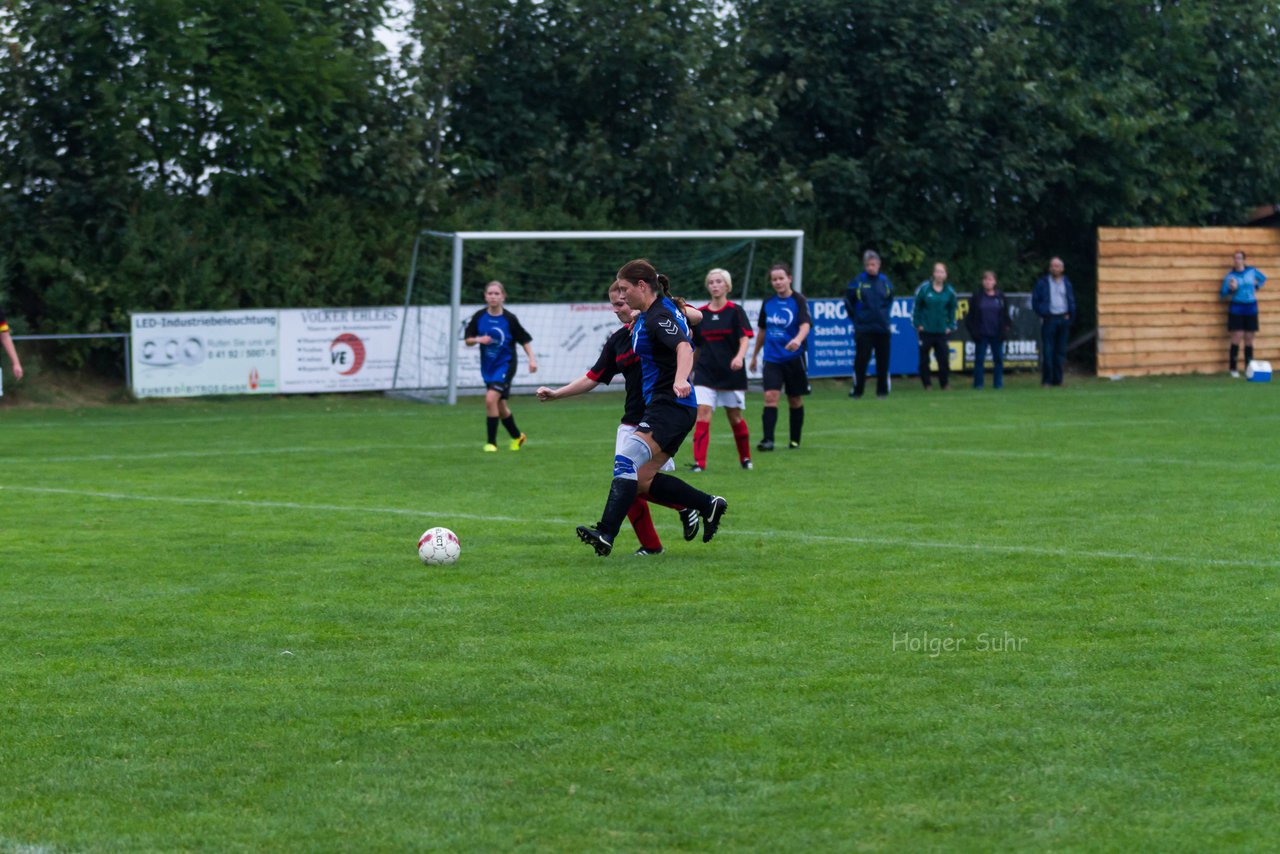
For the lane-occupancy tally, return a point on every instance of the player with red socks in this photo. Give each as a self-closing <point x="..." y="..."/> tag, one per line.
<point x="617" y="358"/>
<point x="719" y="371"/>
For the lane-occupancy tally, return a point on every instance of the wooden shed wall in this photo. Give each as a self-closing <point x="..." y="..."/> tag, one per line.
<point x="1158" y="306"/>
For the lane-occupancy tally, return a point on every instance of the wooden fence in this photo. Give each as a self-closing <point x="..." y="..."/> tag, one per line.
<point x="1158" y="306"/>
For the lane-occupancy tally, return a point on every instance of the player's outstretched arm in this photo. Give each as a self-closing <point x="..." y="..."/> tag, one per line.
<point x="692" y="315"/>
<point x="581" y="385"/>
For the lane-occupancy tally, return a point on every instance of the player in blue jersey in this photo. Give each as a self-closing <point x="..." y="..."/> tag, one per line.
<point x="618" y="359"/>
<point x="1240" y="285"/>
<point x="498" y="331"/>
<point x="784" y="324"/>
<point x="660" y="339"/>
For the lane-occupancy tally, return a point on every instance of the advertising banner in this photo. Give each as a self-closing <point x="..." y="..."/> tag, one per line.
<point x="338" y="349"/>
<point x="187" y="354"/>
<point x="567" y="338"/>
<point x="831" y="346"/>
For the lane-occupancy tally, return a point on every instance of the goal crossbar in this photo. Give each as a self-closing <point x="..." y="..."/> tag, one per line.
<point x="460" y="238"/>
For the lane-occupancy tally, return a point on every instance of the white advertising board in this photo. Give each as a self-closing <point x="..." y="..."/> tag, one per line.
<point x="567" y="338"/>
<point x="187" y="354"/>
<point x="338" y="349"/>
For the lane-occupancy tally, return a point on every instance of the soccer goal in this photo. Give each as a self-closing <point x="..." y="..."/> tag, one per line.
<point x="556" y="284"/>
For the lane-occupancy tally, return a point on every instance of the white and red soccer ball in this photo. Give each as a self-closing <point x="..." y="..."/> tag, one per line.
<point x="439" y="547"/>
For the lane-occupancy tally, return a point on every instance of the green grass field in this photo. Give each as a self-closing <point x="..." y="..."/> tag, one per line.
<point x="216" y="633"/>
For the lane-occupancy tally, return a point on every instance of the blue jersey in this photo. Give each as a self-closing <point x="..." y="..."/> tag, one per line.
<point x="655" y="336"/>
<point x="780" y="319"/>
<point x="1244" y="300"/>
<point x="497" y="360"/>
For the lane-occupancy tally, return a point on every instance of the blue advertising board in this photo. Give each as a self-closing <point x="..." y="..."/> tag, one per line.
<point x="831" y="340"/>
<point x="831" y="348"/>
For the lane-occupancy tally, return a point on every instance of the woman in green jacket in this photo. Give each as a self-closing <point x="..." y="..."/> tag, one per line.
<point x="934" y="317"/>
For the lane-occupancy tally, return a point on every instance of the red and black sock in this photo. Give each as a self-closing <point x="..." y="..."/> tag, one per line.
<point x="642" y="521"/>
<point x="701" y="439"/>
<point x="742" y="437"/>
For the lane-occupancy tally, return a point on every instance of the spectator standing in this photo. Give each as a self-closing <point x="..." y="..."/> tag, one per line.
<point x="988" y="322"/>
<point x="934" y="318"/>
<point x="1240" y="285"/>
<point x="869" y="299"/>
<point x="1054" y="300"/>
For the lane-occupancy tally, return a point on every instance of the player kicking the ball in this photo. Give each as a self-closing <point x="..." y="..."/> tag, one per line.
<point x="660" y="338"/>
<point x="617" y="358"/>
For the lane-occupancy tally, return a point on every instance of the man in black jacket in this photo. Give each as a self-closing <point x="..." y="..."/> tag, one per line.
<point x="1054" y="299"/>
<point x="869" y="300"/>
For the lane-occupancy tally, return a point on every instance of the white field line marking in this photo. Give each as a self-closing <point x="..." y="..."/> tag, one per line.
<point x="852" y="432"/>
<point x="1037" y="551"/>
<point x="1083" y="458"/>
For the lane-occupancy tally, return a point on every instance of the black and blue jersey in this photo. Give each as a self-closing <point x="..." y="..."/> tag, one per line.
<point x="497" y="360"/>
<point x="655" y="336"/>
<point x="780" y="318"/>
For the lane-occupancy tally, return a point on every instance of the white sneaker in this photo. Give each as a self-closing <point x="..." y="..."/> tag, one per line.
<point x="1235" y="375"/>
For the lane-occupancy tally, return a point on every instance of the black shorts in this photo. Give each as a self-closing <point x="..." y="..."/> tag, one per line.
<point x="503" y="388"/>
<point x="667" y="423"/>
<point x="1242" y="323"/>
<point x="790" y="375"/>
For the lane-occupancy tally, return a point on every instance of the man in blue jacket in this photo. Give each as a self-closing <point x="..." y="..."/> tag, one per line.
<point x="869" y="300"/>
<point x="1054" y="299"/>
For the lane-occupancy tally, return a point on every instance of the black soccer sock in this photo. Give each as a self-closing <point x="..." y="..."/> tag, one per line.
<point x="770" y="422"/>
<point x="622" y="494"/>
<point x="797" y="423"/>
<point x="491" y="421"/>
<point x="510" y="423"/>
<point x="1248" y="354"/>
<point x="666" y="489"/>
<point x="1235" y="353"/>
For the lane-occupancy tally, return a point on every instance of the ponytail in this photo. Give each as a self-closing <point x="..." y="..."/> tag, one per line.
<point x="641" y="270"/>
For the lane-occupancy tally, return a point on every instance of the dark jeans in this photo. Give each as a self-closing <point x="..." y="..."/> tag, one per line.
<point x="865" y="343"/>
<point x="935" y="342"/>
<point x="980" y="347"/>
<point x="1053" y="348"/>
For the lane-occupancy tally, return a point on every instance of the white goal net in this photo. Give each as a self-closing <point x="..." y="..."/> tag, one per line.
<point x="556" y="284"/>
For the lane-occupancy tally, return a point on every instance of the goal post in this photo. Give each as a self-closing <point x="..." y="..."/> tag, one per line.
<point x="456" y="243"/>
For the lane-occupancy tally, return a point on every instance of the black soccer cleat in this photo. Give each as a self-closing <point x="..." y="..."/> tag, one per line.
<point x="746" y="464"/>
<point x="711" y="522"/>
<point x="643" y="552"/>
<point x="598" y="541"/>
<point x="694" y="468"/>
<point x="793" y="445"/>
<point x="691" y="519"/>
<point x="766" y="445"/>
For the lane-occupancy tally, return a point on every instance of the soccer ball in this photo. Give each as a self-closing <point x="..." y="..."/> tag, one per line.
<point x="439" y="547"/>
